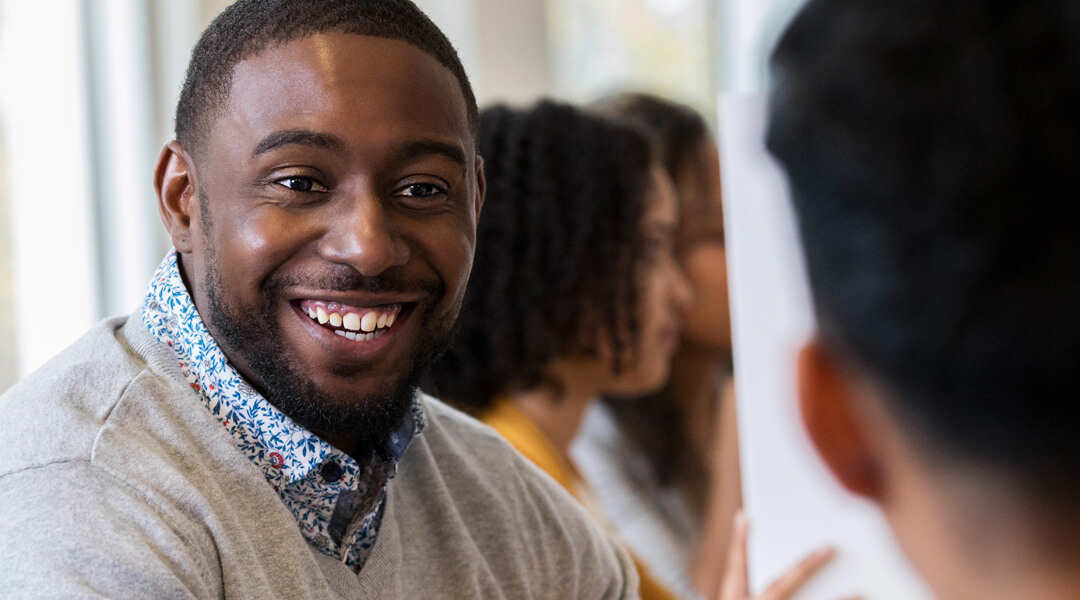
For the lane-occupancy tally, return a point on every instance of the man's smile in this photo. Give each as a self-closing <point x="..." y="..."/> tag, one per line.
<point x="347" y="333"/>
<point x="351" y="322"/>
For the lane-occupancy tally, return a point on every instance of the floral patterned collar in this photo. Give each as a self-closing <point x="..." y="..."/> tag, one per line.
<point x="337" y="502"/>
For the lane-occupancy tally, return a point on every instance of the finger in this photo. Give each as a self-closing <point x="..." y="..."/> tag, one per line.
<point x="735" y="585"/>
<point x="786" y="586"/>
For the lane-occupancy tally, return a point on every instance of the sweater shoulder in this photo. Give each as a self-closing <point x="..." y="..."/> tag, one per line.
<point x="57" y="412"/>
<point x="474" y="494"/>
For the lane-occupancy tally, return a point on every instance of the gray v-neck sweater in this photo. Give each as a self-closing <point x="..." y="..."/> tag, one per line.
<point x="116" y="482"/>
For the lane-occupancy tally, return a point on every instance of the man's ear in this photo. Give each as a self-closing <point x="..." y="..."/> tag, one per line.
<point x="827" y="401"/>
<point x="481" y="185"/>
<point x="174" y="182"/>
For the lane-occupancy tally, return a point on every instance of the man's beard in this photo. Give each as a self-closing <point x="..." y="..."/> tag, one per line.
<point x="283" y="383"/>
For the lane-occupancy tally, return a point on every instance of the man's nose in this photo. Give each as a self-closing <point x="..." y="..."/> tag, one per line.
<point x="365" y="236"/>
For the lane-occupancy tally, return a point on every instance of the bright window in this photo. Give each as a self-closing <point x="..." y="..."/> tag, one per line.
<point x="605" y="46"/>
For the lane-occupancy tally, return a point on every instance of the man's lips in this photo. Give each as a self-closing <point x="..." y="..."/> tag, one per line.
<point x="353" y="322"/>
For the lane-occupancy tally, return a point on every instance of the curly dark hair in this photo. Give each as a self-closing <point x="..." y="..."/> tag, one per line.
<point x="558" y="249"/>
<point x="249" y="27"/>
<point x="654" y="423"/>
<point x="679" y="129"/>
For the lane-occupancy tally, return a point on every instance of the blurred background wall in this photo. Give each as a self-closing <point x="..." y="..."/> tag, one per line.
<point x="89" y="88"/>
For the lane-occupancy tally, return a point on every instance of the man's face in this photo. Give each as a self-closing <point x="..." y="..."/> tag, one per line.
<point x="341" y="185"/>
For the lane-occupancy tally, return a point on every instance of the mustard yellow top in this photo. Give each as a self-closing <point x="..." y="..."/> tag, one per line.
<point x="505" y="417"/>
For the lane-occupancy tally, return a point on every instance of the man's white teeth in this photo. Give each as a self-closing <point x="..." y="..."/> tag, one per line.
<point x="369" y="321"/>
<point x="351" y="322"/>
<point x="362" y="325"/>
<point x="359" y="337"/>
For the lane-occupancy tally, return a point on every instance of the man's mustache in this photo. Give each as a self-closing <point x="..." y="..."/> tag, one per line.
<point x="347" y="279"/>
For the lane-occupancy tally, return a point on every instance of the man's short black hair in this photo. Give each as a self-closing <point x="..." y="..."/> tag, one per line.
<point x="933" y="152"/>
<point x="249" y="27"/>
<point x="558" y="250"/>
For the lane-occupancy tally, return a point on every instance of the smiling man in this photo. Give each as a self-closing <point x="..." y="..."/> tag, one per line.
<point x="255" y="429"/>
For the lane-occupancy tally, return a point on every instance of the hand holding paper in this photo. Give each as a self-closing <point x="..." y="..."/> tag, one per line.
<point x="737" y="587"/>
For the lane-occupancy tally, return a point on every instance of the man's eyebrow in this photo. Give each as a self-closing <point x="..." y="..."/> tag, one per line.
<point x="303" y="137"/>
<point x="420" y="148"/>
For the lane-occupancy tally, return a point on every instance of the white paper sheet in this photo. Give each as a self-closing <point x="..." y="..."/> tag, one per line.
<point x="793" y="504"/>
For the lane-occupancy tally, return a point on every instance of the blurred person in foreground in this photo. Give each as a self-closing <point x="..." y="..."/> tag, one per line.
<point x="932" y="150"/>
<point x="255" y="429"/>
<point x="665" y="466"/>
<point x="575" y="290"/>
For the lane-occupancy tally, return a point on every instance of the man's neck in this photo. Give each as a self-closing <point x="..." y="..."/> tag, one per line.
<point x="978" y="537"/>
<point x="1015" y="555"/>
<point x="355" y="446"/>
<point x="1012" y="571"/>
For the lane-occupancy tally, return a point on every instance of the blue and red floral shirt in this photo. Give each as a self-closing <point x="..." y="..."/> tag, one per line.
<point x="337" y="501"/>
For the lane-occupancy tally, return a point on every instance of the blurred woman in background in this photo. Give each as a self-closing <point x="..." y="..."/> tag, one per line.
<point x="575" y="292"/>
<point x="664" y="467"/>
<point x="575" y="285"/>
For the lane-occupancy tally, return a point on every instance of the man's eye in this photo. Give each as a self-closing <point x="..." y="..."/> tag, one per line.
<point x="302" y="184"/>
<point x="421" y="190"/>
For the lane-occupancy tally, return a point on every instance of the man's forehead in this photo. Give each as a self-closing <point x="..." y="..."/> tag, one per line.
<point x="346" y="84"/>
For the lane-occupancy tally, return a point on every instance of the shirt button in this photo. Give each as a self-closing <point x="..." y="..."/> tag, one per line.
<point x="331" y="472"/>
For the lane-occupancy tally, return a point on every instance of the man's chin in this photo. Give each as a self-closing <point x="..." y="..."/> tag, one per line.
<point x="313" y="396"/>
<point x="367" y="418"/>
<point x="365" y="413"/>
